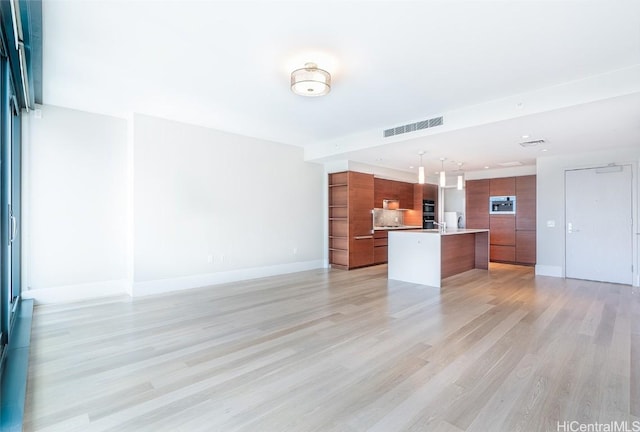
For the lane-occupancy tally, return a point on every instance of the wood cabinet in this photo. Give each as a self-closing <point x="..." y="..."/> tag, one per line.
<point x="350" y="220"/>
<point x="405" y="195"/>
<point x="501" y="253"/>
<point x="526" y="203"/>
<point x="512" y="237"/>
<point x="352" y="196"/>
<point x="383" y="189"/>
<point x="502" y="186"/>
<point x="380" y="247"/>
<point x="421" y="192"/>
<point x="394" y="190"/>
<point x="502" y="230"/>
<point x="477" y="203"/>
<point x="339" y="220"/>
<point x="526" y="220"/>
<point x="430" y="192"/>
<point x="526" y="247"/>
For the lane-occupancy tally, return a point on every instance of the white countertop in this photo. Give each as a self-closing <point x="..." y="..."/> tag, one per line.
<point x="449" y="231"/>
<point x="402" y="227"/>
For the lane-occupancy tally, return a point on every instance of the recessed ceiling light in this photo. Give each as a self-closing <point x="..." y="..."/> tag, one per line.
<point x="525" y="136"/>
<point x="411" y="167"/>
<point x="486" y="167"/>
<point x="544" y="150"/>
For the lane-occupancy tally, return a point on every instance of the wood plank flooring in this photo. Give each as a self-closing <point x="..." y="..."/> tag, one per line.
<point x="331" y="350"/>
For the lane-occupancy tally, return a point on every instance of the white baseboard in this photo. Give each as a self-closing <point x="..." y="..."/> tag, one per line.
<point x="197" y="281"/>
<point x="79" y="292"/>
<point x="547" y="270"/>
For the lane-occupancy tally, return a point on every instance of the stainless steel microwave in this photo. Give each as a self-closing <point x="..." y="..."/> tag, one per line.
<point x="502" y="204"/>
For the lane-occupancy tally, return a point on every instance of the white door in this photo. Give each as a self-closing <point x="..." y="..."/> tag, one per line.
<point x="598" y="231"/>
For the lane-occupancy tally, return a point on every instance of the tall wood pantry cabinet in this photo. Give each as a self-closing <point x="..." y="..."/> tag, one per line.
<point x="351" y="200"/>
<point x="512" y="237"/>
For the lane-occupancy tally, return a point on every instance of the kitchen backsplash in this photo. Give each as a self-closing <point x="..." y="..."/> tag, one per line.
<point x="387" y="218"/>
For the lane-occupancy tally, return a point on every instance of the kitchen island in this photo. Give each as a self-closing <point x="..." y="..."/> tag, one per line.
<point x="428" y="256"/>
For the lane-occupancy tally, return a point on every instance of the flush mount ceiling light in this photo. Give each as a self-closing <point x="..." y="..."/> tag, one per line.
<point x="421" y="169"/>
<point x="310" y="81"/>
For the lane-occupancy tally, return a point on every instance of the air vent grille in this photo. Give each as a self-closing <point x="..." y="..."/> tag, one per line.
<point x="510" y="164"/>
<point x="412" y="127"/>
<point x="532" y="143"/>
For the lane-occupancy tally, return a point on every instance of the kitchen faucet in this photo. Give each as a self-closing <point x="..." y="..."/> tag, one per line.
<point x="442" y="225"/>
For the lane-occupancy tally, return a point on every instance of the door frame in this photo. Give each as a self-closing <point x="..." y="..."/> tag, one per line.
<point x="635" y="199"/>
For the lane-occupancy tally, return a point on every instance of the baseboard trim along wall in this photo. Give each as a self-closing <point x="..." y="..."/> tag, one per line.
<point x="79" y="292"/>
<point x="547" y="270"/>
<point x="88" y="291"/>
<point x="198" y="281"/>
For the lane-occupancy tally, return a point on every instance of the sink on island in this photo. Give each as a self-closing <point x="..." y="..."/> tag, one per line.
<point x="428" y="256"/>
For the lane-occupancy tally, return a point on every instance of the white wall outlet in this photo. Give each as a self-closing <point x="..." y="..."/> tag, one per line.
<point x="551" y="224"/>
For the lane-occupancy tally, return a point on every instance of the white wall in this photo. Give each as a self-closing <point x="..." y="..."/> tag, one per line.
<point x="74" y="203"/>
<point x="501" y="172"/>
<point x="211" y="206"/>
<point x="551" y="204"/>
<point x="146" y="205"/>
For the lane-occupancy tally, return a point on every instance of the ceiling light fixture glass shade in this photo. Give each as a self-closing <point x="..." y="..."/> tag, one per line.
<point x="460" y="176"/>
<point x="443" y="176"/>
<point x="310" y="81"/>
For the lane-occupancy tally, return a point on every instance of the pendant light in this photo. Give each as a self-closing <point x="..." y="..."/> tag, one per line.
<point x="443" y="176"/>
<point x="460" y="176"/>
<point x="421" y="169"/>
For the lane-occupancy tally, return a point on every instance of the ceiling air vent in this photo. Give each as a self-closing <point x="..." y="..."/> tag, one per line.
<point x="412" y="127"/>
<point x="510" y="164"/>
<point x="532" y="143"/>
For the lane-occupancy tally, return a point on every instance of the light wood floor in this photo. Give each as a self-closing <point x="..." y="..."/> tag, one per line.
<point x="342" y="351"/>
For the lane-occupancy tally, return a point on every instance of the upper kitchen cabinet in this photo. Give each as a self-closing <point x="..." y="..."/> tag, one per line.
<point x="477" y="203"/>
<point x="393" y="190"/>
<point x="405" y="195"/>
<point x="383" y="189"/>
<point x="526" y="203"/>
<point x="429" y="192"/>
<point x="505" y="186"/>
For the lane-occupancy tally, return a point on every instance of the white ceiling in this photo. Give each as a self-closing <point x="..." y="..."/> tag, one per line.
<point x="226" y="65"/>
